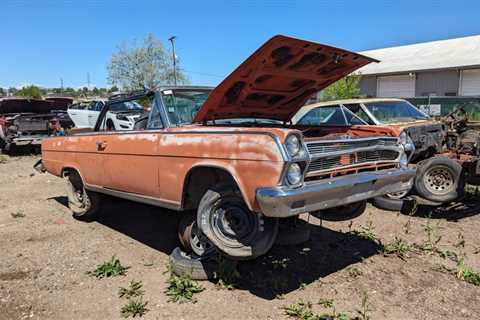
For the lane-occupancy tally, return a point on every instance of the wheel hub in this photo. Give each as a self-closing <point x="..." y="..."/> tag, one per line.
<point x="439" y="180"/>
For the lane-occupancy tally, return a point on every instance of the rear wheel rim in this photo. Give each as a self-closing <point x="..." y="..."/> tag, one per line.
<point x="439" y="180"/>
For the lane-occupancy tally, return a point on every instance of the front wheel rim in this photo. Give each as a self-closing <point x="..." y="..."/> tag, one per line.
<point x="199" y="242"/>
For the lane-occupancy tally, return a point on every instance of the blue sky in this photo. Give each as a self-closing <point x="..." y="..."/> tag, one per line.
<point x="43" y="41"/>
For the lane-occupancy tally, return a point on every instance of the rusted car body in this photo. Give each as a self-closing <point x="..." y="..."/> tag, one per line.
<point x="453" y="137"/>
<point x="232" y="154"/>
<point x="27" y="121"/>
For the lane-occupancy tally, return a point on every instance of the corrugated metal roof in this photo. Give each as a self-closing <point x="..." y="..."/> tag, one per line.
<point x="452" y="53"/>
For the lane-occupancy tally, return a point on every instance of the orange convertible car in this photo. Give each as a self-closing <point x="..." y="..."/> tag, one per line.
<point x="232" y="156"/>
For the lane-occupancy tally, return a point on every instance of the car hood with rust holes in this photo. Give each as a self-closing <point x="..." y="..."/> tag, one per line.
<point x="277" y="80"/>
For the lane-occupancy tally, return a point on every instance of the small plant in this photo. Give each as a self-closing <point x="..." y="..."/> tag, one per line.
<point x="3" y="158"/>
<point x="18" y="214"/>
<point x="398" y="247"/>
<point x="326" y="303"/>
<point x="467" y="274"/>
<point x="182" y="289"/>
<point x="301" y="310"/>
<point x="433" y="239"/>
<point x="365" y="307"/>
<point x="226" y="274"/>
<point x="368" y="232"/>
<point x="134" y="290"/>
<point x="354" y="272"/>
<point x="111" y="268"/>
<point x="133" y="308"/>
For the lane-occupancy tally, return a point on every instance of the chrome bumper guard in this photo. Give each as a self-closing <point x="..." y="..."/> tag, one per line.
<point x="283" y="201"/>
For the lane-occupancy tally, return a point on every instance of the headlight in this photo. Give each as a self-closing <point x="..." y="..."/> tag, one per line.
<point x="121" y="117"/>
<point x="292" y="143"/>
<point x="294" y="174"/>
<point x="403" y="138"/>
<point x="407" y="142"/>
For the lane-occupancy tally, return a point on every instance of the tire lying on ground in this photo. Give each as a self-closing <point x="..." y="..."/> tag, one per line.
<point x="403" y="205"/>
<point x="440" y="179"/>
<point x="341" y="213"/>
<point x="292" y="231"/>
<point x="196" y="267"/>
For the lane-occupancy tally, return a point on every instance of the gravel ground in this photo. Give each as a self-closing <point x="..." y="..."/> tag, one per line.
<point x="45" y="255"/>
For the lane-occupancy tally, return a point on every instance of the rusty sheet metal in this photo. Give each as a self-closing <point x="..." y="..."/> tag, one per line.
<point x="126" y="161"/>
<point x="24" y="105"/>
<point x="278" y="78"/>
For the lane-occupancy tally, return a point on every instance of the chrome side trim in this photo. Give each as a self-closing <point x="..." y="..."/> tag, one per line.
<point x="136" y="197"/>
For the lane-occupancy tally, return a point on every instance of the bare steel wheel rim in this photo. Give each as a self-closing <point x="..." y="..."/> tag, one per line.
<point x="200" y="244"/>
<point x="233" y="224"/>
<point x="396" y="195"/>
<point x="78" y="192"/>
<point x="439" y="180"/>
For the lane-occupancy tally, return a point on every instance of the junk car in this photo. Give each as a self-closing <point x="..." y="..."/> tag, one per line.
<point x="445" y="151"/>
<point x="27" y="121"/>
<point x="231" y="155"/>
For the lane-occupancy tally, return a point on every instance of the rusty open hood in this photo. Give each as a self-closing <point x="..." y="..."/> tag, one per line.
<point x="277" y="79"/>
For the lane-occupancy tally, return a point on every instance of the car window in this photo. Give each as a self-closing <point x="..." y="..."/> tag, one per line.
<point x="395" y="112"/>
<point x="356" y="109"/>
<point x="155" y="117"/>
<point x="331" y="115"/>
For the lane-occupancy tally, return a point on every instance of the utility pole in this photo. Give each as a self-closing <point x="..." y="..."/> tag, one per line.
<point x="172" y="40"/>
<point x="88" y="80"/>
<point x="61" y="84"/>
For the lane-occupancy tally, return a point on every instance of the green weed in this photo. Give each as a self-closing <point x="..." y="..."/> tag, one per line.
<point x="18" y="214"/>
<point x="133" y="308"/>
<point x="182" y="289"/>
<point x="3" y="158"/>
<point x="226" y="274"/>
<point x="134" y="290"/>
<point x="111" y="268"/>
<point x="467" y="274"/>
<point x="398" y="247"/>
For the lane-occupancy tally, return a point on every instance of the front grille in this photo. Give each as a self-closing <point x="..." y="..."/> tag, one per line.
<point x="319" y="147"/>
<point x="355" y="158"/>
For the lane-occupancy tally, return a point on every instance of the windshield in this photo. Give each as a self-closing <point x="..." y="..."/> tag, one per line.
<point x="182" y="105"/>
<point x="126" y="106"/>
<point x="332" y="115"/>
<point x="395" y="111"/>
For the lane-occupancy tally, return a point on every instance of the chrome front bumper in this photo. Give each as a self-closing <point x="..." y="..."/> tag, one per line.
<point x="282" y="201"/>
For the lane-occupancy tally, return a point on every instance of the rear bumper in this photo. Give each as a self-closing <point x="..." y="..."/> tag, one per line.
<point x="284" y="201"/>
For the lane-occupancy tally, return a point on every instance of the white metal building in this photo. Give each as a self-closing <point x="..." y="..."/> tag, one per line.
<point x="438" y="68"/>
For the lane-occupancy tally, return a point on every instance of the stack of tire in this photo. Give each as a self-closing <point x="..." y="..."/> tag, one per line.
<point x="438" y="180"/>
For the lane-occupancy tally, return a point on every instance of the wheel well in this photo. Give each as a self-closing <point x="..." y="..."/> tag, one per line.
<point x="199" y="180"/>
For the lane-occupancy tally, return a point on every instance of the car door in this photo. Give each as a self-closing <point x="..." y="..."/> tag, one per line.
<point x="79" y="114"/>
<point x="93" y="112"/>
<point x="129" y="161"/>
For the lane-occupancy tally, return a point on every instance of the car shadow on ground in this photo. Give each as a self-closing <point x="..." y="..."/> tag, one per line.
<point x="288" y="268"/>
<point x="282" y="270"/>
<point x="153" y="226"/>
<point x="451" y="212"/>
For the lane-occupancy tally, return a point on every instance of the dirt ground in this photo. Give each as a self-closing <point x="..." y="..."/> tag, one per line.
<point x="44" y="257"/>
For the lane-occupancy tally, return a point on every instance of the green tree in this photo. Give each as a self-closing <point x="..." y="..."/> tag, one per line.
<point x="146" y="66"/>
<point x="345" y="88"/>
<point x="2" y="92"/>
<point x="31" y="91"/>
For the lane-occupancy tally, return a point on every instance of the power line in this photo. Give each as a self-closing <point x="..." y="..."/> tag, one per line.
<point x="203" y="73"/>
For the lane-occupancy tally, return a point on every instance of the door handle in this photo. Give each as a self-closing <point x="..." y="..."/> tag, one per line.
<point x="101" y="144"/>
